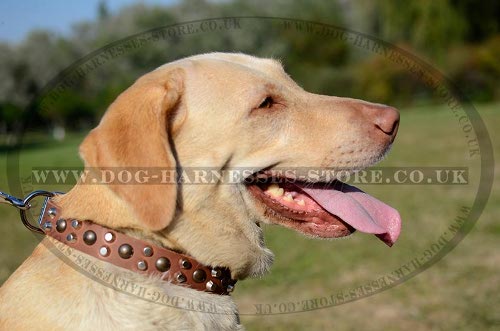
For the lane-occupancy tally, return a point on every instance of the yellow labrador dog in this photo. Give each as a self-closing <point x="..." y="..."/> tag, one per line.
<point x="218" y="111"/>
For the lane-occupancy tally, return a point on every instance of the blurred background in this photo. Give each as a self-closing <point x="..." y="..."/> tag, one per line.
<point x="459" y="37"/>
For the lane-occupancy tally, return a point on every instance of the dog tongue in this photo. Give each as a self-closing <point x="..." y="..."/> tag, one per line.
<point x="358" y="209"/>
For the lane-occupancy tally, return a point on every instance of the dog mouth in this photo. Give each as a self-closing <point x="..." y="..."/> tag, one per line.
<point x="324" y="210"/>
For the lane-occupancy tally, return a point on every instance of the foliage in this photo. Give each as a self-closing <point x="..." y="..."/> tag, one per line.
<point x="477" y="69"/>
<point x="449" y="32"/>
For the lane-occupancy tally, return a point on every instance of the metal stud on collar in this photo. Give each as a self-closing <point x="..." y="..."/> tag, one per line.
<point x="142" y="265"/>
<point x="52" y="212"/>
<point x="181" y="278"/>
<point x="163" y="264"/>
<point x="71" y="238"/>
<point x="147" y="251"/>
<point x="89" y="237"/>
<point x="185" y="264"/>
<point x="125" y="251"/>
<point x="104" y="251"/>
<point x="109" y="237"/>
<point x="76" y="224"/>
<point x="199" y="276"/>
<point x="216" y="272"/>
<point x="61" y="225"/>
<point x="211" y="286"/>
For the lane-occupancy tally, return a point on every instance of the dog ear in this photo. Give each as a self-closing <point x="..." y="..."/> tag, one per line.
<point x="134" y="135"/>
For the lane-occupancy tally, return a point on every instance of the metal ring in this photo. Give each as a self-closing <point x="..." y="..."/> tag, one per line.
<point x="26" y="201"/>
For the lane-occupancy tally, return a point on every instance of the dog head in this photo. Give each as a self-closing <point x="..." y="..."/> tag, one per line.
<point x="233" y="111"/>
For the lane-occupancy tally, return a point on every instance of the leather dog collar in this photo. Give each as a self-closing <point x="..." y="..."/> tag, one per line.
<point x="134" y="254"/>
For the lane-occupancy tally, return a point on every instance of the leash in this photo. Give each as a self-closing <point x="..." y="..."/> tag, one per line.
<point x="23" y="205"/>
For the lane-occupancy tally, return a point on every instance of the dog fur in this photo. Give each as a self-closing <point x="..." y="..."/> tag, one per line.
<point x="201" y="111"/>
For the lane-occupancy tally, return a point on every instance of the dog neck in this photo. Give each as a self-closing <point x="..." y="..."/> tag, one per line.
<point x="130" y="251"/>
<point x="100" y="204"/>
<point x="114" y="298"/>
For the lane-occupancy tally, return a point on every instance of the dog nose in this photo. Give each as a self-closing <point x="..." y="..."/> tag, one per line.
<point x="387" y="120"/>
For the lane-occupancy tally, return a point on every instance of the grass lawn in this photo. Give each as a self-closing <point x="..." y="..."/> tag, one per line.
<point x="461" y="292"/>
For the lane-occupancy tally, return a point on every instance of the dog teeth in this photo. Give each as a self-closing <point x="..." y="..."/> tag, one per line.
<point x="288" y="197"/>
<point x="275" y="190"/>
<point x="300" y="202"/>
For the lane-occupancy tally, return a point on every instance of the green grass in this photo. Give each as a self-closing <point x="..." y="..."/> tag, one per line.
<point x="17" y="242"/>
<point x="458" y="293"/>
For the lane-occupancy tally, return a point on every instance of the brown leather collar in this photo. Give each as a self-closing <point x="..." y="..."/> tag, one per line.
<point x="133" y="254"/>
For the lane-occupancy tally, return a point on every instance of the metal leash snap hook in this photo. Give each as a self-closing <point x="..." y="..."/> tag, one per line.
<point x="13" y="201"/>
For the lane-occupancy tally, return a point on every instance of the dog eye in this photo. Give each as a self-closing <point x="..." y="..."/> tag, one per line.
<point x="268" y="102"/>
